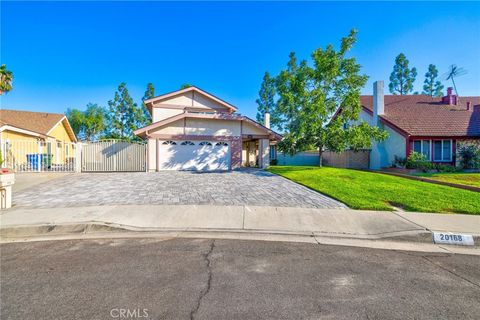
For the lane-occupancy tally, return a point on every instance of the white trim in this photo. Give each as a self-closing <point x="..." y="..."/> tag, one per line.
<point x="15" y="129"/>
<point x="56" y="124"/>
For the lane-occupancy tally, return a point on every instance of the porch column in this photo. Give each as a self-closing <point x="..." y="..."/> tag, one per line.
<point x="151" y="155"/>
<point x="264" y="153"/>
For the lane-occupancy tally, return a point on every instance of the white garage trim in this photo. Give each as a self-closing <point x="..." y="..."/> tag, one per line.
<point x="193" y="155"/>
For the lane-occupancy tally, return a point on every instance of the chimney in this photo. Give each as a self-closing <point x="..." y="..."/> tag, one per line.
<point x="450" y="98"/>
<point x="378" y="101"/>
<point x="267" y="120"/>
<point x="469" y="106"/>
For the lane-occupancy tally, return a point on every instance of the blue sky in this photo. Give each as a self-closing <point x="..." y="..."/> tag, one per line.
<point x="66" y="54"/>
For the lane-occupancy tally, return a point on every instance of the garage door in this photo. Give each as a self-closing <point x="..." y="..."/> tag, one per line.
<point x="194" y="155"/>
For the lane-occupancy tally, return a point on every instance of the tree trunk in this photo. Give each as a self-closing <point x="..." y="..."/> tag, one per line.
<point x="320" y="151"/>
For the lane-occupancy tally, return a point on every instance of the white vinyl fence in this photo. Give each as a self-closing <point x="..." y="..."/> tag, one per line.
<point x="38" y="156"/>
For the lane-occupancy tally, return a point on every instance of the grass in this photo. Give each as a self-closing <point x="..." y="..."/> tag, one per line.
<point x="469" y="179"/>
<point x="375" y="191"/>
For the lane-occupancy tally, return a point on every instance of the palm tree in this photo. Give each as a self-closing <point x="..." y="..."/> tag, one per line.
<point x="453" y="72"/>
<point x="6" y="78"/>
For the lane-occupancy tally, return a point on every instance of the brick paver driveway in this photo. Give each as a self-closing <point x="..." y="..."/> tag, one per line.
<point x="244" y="187"/>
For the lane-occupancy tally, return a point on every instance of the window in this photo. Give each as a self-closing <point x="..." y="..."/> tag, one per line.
<point x="442" y="150"/>
<point x="59" y="145"/>
<point x="423" y="147"/>
<point x="169" y="142"/>
<point x="221" y="143"/>
<point x="205" y="143"/>
<point x="187" y="143"/>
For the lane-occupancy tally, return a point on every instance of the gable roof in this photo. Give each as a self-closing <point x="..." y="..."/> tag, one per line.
<point x="421" y="115"/>
<point x="150" y="101"/>
<point x="38" y="122"/>
<point x="143" y="132"/>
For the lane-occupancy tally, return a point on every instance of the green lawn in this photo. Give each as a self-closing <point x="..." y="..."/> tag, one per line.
<point x="374" y="191"/>
<point x="469" y="179"/>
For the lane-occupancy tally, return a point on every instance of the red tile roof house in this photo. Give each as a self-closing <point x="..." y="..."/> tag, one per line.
<point x="194" y="130"/>
<point x="434" y="126"/>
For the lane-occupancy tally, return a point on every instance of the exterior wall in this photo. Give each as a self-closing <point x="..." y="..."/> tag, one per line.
<point x="60" y="133"/>
<point x="307" y="158"/>
<point x="248" y="128"/>
<point x="161" y="113"/>
<point x="11" y="135"/>
<point x="212" y="127"/>
<point x="383" y="153"/>
<point x="236" y="152"/>
<point x="162" y="110"/>
<point x="174" y="128"/>
<point x="151" y="155"/>
<point x="347" y="159"/>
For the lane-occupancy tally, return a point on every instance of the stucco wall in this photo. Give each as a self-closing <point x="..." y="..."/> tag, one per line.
<point x="383" y="154"/>
<point x="212" y="127"/>
<point x="60" y="133"/>
<point x="161" y="113"/>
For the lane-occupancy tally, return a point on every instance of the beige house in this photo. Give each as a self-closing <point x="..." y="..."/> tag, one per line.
<point x="194" y="130"/>
<point x="26" y="134"/>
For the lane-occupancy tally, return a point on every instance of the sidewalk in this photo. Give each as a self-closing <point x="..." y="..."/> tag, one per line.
<point x="356" y="224"/>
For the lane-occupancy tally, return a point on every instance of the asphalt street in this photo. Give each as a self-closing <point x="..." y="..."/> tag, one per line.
<point x="232" y="279"/>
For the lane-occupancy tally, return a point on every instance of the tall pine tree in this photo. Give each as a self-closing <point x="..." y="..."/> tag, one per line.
<point x="266" y="94"/>
<point x="431" y="86"/>
<point x="124" y="116"/>
<point x="402" y="77"/>
<point x="146" y="116"/>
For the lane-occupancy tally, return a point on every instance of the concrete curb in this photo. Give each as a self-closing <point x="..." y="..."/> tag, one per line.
<point x="92" y="228"/>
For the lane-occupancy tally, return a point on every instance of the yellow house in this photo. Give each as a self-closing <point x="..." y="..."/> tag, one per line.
<point x="25" y="135"/>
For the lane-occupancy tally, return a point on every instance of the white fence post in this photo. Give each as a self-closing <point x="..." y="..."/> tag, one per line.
<point x="78" y="157"/>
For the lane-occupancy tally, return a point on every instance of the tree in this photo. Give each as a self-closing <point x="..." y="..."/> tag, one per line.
<point x="319" y="105"/>
<point x="124" y="116"/>
<point x="146" y="116"/>
<point x="6" y="79"/>
<point x="185" y="86"/>
<point x="88" y="125"/>
<point x="431" y="86"/>
<point x="402" y="77"/>
<point x="266" y="94"/>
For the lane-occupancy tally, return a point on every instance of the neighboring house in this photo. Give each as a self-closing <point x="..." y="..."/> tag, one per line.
<point x="429" y="125"/>
<point x="194" y="130"/>
<point x="25" y="134"/>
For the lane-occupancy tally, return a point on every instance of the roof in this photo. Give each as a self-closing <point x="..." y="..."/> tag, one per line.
<point x="38" y="122"/>
<point x="143" y="132"/>
<point x="421" y="115"/>
<point x="182" y="91"/>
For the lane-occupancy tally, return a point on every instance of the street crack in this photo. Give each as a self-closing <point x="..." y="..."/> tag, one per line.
<point x="205" y="291"/>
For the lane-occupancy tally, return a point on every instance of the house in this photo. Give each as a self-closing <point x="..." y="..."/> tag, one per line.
<point x="194" y="130"/>
<point x="434" y="126"/>
<point x="25" y="135"/>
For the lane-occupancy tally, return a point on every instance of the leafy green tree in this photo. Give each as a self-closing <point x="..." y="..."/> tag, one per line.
<point x="266" y="101"/>
<point x="402" y="77"/>
<point x="432" y="86"/>
<point x="319" y="105"/>
<point x="88" y="125"/>
<point x="124" y="116"/>
<point x="149" y="93"/>
<point x="6" y="79"/>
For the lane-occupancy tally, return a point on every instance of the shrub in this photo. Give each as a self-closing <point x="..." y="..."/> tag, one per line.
<point x="445" y="168"/>
<point x="418" y="161"/>
<point x="273" y="162"/>
<point x="399" y="162"/>
<point x="469" y="156"/>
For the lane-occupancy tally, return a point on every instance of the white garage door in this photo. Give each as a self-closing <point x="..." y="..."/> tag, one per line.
<point x="194" y="155"/>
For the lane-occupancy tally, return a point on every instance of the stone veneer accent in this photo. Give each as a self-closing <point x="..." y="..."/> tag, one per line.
<point x="236" y="152"/>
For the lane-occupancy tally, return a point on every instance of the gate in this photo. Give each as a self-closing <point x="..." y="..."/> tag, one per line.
<point x="38" y="156"/>
<point x="113" y="155"/>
